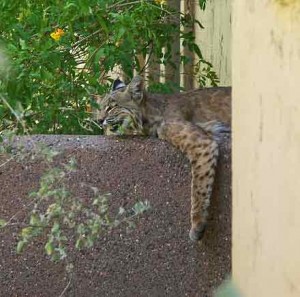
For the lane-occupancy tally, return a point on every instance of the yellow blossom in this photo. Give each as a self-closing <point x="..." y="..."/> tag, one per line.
<point x="161" y="2"/>
<point x="57" y="34"/>
<point x="88" y="108"/>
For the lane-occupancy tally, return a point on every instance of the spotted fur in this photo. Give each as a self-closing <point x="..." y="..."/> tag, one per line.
<point x="191" y="121"/>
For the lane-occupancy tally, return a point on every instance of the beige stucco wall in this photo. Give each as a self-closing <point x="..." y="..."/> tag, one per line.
<point x="266" y="147"/>
<point x="215" y="39"/>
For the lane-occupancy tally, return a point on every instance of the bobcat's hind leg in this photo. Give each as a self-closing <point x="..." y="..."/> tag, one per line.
<point x="202" y="151"/>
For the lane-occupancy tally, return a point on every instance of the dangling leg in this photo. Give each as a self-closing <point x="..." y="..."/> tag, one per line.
<point x="202" y="151"/>
<point x="203" y="174"/>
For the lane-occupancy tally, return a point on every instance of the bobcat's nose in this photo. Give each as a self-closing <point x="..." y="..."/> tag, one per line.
<point x="102" y="122"/>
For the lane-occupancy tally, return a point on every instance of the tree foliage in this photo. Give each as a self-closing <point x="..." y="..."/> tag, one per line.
<point x="55" y="54"/>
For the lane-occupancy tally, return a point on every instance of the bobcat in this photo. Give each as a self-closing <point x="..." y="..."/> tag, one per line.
<point x="191" y="121"/>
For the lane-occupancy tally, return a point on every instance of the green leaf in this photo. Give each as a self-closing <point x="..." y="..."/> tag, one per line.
<point x="55" y="228"/>
<point x="49" y="248"/>
<point x="34" y="220"/>
<point x="26" y="232"/>
<point x="197" y="50"/>
<point x="20" y="246"/>
<point x="62" y="253"/>
<point x="89" y="241"/>
<point x="23" y="44"/>
<point x="2" y="223"/>
<point x="121" y="32"/>
<point x="103" y="24"/>
<point x="100" y="53"/>
<point x="79" y="243"/>
<point x="141" y="206"/>
<point x="96" y="201"/>
<point x="71" y="5"/>
<point x="202" y="4"/>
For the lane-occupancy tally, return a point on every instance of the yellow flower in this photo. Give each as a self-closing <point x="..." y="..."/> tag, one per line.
<point x="119" y="43"/>
<point x="161" y="2"/>
<point x="88" y="108"/>
<point x="57" y="34"/>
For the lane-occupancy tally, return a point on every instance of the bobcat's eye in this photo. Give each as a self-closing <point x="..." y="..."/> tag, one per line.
<point x="107" y="109"/>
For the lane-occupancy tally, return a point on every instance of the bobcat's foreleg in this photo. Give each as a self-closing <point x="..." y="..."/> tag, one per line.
<point x="202" y="151"/>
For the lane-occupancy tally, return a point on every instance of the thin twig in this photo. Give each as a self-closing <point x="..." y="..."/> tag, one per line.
<point x="123" y="4"/>
<point x="148" y="60"/>
<point x="114" y="5"/>
<point x="89" y="59"/>
<point x="66" y="288"/>
<point x="162" y="9"/>
<point x="85" y="38"/>
<point x="11" y="158"/>
<point x="13" y="112"/>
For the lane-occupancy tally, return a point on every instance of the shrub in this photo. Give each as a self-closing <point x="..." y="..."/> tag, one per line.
<point x="60" y="52"/>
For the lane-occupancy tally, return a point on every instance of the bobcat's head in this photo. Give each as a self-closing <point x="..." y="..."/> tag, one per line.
<point x="119" y="111"/>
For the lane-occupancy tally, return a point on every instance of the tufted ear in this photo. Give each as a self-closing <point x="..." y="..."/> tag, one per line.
<point x="118" y="84"/>
<point x="136" y="88"/>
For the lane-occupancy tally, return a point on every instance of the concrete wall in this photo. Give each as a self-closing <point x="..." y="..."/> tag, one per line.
<point x="215" y="39"/>
<point x="266" y="147"/>
<point x="155" y="258"/>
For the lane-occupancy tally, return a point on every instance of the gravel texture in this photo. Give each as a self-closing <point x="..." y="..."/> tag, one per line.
<point x="154" y="259"/>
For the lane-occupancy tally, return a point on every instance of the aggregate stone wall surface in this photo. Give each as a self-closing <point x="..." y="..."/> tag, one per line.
<point x="156" y="258"/>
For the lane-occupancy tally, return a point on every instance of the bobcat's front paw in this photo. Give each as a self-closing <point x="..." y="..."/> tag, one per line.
<point x="197" y="233"/>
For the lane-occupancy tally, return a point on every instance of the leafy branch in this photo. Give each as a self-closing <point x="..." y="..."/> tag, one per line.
<point x="60" y="52"/>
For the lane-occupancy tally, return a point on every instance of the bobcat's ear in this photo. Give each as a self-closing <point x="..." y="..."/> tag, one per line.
<point x="118" y="84"/>
<point x="136" y="88"/>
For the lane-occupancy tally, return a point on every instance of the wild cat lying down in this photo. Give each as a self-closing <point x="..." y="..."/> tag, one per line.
<point x="191" y="121"/>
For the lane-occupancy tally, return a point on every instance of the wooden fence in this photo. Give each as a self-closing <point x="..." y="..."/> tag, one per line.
<point x="214" y="41"/>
